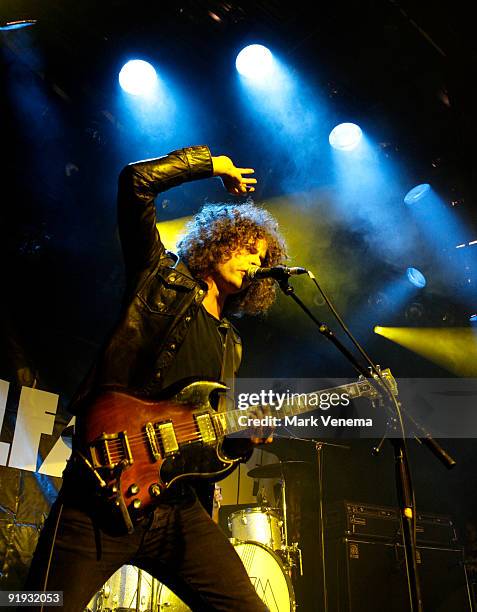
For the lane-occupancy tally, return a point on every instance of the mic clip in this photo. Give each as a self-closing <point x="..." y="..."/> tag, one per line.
<point x="279" y="273"/>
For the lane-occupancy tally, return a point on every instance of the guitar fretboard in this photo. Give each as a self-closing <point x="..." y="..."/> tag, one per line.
<point x="232" y="421"/>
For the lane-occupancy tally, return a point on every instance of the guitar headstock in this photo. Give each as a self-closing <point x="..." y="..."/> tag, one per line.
<point x="365" y="389"/>
<point x="390" y="380"/>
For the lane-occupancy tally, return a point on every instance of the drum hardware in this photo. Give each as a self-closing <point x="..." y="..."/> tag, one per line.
<point x="289" y="553"/>
<point x="292" y="551"/>
<point x="129" y="589"/>
<point x="168" y="600"/>
<point x="284" y="506"/>
<point x="292" y="558"/>
<point x="262" y="498"/>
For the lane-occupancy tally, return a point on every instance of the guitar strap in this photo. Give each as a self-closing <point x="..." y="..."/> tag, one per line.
<point x="227" y="373"/>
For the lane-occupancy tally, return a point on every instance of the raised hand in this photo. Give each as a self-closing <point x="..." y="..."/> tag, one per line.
<point x="232" y="177"/>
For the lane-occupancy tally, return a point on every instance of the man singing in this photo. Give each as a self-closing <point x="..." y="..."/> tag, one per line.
<point x="172" y="327"/>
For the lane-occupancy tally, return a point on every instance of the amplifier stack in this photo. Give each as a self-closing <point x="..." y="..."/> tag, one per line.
<point x="365" y="568"/>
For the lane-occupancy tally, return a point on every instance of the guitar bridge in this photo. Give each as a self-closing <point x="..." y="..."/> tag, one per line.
<point x="109" y="450"/>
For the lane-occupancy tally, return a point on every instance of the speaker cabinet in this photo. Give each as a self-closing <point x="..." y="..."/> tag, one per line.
<point x="367" y="576"/>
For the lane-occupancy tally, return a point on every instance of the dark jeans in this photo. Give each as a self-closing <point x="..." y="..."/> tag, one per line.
<point x="178" y="544"/>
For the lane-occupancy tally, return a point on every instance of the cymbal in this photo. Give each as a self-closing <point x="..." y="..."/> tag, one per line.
<point x="277" y="470"/>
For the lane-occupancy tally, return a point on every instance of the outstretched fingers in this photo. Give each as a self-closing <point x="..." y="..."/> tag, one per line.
<point x="246" y="183"/>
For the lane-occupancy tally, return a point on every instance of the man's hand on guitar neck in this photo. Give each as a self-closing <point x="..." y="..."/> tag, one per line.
<point x="262" y="434"/>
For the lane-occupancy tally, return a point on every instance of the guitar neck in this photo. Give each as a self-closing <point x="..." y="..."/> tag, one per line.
<point x="295" y="403"/>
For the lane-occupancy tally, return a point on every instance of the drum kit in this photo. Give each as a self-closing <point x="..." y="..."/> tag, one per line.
<point x="261" y="538"/>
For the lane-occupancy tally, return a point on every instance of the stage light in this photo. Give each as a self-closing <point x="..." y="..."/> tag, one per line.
<point x="171" y="231"/>
<point x="345" y="136"/>
<point x="17" y="25"/>
<point x="138" y="77"/>
<point x="454" y="349"/>
<point x="378" y="329"/>
<point x="417" y="193"/>
<point x="416" y="278"/>
<point x="473" y="318"/>
<point x="254" y="62"/>
<point x="379" y="300"/>
<point x="414" y="312"/>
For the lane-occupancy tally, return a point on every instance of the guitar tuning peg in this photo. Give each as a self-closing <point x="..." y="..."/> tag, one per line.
<point x="375" y="371"/>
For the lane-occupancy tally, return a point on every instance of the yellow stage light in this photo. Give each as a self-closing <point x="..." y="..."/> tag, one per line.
<point x="454" y="349"/>
<point x="170" y="231"/>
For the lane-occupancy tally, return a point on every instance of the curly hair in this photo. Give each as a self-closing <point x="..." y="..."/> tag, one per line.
<point x="218" y="230"/>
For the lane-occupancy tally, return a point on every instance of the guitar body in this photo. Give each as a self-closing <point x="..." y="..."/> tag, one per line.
<point x="137" y="448"/>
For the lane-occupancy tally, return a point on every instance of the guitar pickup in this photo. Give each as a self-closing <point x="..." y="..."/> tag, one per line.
<point x="167" y="437"/>
<point x="109" y="450"/>
<point x="205" y="427"/>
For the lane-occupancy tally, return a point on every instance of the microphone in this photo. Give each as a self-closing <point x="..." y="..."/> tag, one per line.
<point x="276" y="272"/>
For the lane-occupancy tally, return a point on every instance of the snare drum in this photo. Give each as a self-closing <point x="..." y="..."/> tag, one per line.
<point x="266" y="573"/>
<point x="262" y="525"/>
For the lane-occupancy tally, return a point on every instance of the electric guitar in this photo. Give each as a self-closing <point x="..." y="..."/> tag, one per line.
<point x="136" y="448"/>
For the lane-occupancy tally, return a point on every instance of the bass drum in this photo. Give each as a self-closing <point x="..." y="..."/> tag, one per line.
<point x="268" y="576"/>
<point x="266" y="572"/>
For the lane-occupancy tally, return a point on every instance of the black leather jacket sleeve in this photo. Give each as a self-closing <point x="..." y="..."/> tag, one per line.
<point x="139" y="184"/>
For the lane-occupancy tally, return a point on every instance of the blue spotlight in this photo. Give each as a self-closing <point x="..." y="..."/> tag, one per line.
<point x="138" y="78"/>
<point x="345" y="136"/>
<point x="17" y="25"/>
<point x="473" y="318"/>
<point x="254" y="62"/>
<point x="416" y="278"/>
<point x="416" y="193"/>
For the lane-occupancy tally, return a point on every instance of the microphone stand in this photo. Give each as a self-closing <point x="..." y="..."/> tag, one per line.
<point x="404" y="486"/>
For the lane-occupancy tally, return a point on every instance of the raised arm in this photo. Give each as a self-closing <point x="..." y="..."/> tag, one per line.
<point x="139" y="184"/>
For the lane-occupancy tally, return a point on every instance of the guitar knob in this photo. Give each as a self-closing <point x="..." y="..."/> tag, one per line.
<point x="137" y="504"/>
<point x="133" y="489"/>
<point x="155" y="490"/>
